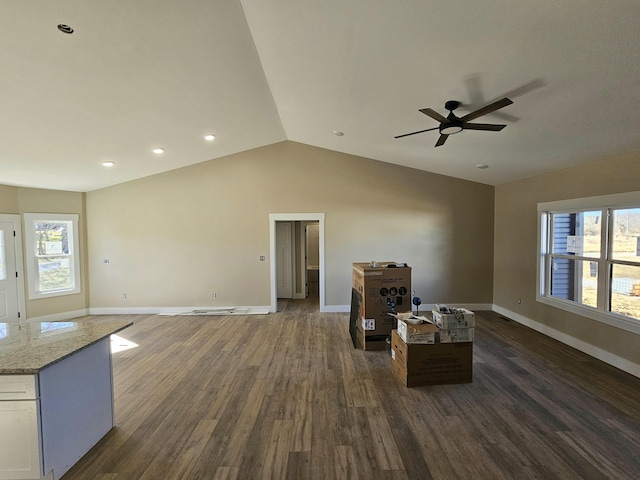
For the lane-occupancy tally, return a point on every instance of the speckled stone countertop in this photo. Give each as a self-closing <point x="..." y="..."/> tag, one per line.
<point x="28" y="348"/>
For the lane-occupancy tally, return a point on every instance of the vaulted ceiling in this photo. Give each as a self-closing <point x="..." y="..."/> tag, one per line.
<point x="136" y="75"/>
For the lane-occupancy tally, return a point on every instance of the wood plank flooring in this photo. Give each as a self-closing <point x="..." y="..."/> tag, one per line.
<point x="286" y="396"/>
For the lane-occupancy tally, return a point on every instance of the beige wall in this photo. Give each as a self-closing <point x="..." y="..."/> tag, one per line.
<point x="516" y="247"/>
<point x="17" y="200"/>
<point x="174" y="238"/>
<point x="8" y="199"/>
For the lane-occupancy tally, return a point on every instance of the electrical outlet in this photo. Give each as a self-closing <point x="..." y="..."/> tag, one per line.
<point x="124" y="295"/>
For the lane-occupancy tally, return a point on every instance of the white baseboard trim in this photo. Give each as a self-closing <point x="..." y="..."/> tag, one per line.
<point x="596" y="352"/>
<point x="56" y="317"/>
<point x="425" y="307"/>
<point x="428" y="307"/>
<point x="254" y="310"/>
<point x="336" y="309"/>
<point x="124" y="311"/>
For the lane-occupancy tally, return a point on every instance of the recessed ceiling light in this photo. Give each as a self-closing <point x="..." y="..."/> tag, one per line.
<point x="108" y="164"/>
<point x="210" y="137"/>
<point x="65" y="28"/>
<point x="482" y="166"/>
<point x="338" y="133"/>
<point x="158" y="151"/>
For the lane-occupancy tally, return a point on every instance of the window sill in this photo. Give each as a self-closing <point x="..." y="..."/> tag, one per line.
<point x="618" y="321"/>
<point x="58" y="293"/>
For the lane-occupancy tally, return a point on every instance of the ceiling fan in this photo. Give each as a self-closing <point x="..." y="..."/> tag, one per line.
<point x="451" y="124"/>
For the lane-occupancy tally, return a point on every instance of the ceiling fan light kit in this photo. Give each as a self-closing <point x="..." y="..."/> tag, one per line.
<point x="451" y="124"/>
<point x="450" y="129"/>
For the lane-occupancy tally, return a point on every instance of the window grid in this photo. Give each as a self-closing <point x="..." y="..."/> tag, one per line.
<point x="53" y="266"/>
<point x="573" y="272"/>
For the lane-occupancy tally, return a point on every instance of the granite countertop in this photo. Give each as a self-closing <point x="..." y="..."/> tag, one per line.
<point x="28" y="348"/>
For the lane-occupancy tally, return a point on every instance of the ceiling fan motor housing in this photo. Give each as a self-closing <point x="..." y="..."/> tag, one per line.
<point x="451" y="105"/>
<point x="455" y="124"/>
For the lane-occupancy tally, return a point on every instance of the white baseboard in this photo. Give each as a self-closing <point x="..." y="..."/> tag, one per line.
<point x="425" y="307"/>
<point x="336" y="309"/>
<point x="428" y="307"/>
<point x="596" y="352"/>
<point x="124" y="311"/>
<point x="254" y="310"/>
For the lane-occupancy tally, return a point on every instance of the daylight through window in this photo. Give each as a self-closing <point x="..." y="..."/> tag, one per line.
<point x="52" y="254"/>
<point x="590" y="258"/>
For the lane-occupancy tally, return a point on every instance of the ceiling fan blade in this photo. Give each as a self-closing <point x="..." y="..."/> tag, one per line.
<point x="435" y="115"/>
<point x="474" y="88"/>
<point x="487" y="109"/>
<point x="505" y="117"/>
<point x="419" y="131"/>
<point x="526" y="88"/>
<point x="442" y="139"/>
<point x="483" y="126"/>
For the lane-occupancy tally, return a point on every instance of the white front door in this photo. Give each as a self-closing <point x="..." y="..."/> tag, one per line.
<point x="284" y="250"/>
<point x="8" y="279"/>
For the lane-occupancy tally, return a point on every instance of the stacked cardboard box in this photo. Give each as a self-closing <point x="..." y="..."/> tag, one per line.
<point x="434" y="352"/>
<point x="456" y="325"/>
<point x="411" y="332"/>
<point x="385" y="287"/>
<point x="417" y="364"/>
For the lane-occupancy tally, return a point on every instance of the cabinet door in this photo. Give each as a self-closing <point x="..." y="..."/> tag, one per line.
<point x="19" y="440"/>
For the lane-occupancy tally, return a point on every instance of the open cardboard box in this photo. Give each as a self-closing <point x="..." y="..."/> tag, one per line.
<point x="410" y="331"/>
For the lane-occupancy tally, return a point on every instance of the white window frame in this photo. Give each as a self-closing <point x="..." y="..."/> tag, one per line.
<point x="30" y="219"/>
<point x="599" y="313"/>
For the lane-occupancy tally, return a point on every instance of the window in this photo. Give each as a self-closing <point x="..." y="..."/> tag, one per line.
<point x="53" y="263"/>
<point x="590" y="258"/>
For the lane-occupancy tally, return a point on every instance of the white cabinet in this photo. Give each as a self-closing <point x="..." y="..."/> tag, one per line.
<point x="48" y="421"/>
<point x="18" y="387"/>
<point x="20" y="447"/>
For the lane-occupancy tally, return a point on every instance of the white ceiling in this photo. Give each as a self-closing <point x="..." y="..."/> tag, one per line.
<point x="146" y="73"/>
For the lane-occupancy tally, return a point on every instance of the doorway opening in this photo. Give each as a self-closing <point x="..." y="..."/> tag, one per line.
<point x="297" y="257"/>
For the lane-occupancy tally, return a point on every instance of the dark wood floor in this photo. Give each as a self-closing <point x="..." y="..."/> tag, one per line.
<point x="286" y="396"/>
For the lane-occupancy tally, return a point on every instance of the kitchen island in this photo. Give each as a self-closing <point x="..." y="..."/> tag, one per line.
<point x="56" y="395"/>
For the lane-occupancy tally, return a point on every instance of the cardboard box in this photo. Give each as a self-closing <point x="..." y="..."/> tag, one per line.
<point x="378" y="323"/>
<point x="461" y="318"/>
<point x="417" y="333"/>
<point x="418" y="364"/>
<point x="379" y="286"/>
<point x="457" y="335"/>
<point x="368" y="342"/>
